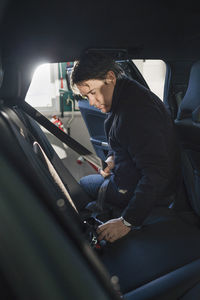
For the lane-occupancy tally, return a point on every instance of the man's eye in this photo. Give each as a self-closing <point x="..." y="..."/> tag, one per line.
<point x="92" y="93"/>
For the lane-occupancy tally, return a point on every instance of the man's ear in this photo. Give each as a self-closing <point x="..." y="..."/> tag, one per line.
<point x="110" y="77"/>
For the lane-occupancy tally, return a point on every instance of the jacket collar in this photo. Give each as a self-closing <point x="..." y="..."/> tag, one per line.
<point x="118" y="90"/>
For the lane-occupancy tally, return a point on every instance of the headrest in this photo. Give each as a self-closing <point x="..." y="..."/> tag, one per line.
<point x="191" y="100"/>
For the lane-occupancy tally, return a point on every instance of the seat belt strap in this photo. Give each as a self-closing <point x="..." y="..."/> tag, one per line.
<point x="102" y="194"/>
<point x="61" y="135"/>
<point x="22" y="121"/>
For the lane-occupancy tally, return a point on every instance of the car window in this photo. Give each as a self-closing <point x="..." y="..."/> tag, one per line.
<point x="153" y="71"/>
<point x="43" y="92"/>
<point x="49" y="88"/>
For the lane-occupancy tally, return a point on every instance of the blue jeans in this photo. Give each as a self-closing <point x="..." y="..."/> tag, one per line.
<point x="91" y="185"/>
<point x="118" y="201"/>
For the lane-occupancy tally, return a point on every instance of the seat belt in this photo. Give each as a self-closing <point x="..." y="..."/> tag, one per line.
<point x="61" y="135"/>
<point x="75" y="190"/>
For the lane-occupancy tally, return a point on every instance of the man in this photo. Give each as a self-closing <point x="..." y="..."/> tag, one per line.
<point x="143" y="161"/>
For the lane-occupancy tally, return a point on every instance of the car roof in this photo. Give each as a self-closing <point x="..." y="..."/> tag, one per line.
<point x="59" y="30"/>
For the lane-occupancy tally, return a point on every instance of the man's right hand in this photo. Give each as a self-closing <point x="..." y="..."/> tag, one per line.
<point x="110" y="165"/>
<point x="105" y="173"/>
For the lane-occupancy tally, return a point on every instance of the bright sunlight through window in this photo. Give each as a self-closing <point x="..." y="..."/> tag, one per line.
<point x="40" y="90"/>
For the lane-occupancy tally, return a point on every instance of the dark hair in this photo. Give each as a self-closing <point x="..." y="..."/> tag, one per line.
<point x="94" y="65"/>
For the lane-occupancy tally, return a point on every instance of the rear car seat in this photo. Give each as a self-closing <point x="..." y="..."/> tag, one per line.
<point x="16" y="146"/>
<point x="142" y="257"/>
<point x="71" y="184"/>
<point x="34" y="170"/>
<point x="188" y="129"/>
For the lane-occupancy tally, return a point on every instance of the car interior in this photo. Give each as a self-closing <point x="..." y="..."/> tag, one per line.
<point x="48" y="250"/>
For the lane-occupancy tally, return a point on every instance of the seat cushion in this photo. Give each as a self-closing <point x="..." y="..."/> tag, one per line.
<point x="151" y="252"/>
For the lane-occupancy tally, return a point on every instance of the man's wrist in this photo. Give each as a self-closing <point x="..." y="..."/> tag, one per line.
<point x="125" y="222"/>
<point x="109" y="159"/>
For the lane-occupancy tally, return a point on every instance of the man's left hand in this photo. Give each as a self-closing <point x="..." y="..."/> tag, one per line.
<point x="112" y="230"/>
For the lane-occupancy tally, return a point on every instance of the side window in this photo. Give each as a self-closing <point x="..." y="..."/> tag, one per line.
<point x="154" y="72"/>
<point x="43" y="92"/>
<point x="49" y="90"/>
<point x="49" y="93"/>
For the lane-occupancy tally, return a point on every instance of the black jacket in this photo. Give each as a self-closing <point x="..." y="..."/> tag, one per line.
<point x="141" y="136"/>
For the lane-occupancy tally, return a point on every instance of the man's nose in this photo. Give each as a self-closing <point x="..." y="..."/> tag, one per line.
<point x="92" y="100"/>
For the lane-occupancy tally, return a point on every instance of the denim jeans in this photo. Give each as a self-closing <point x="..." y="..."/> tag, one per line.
<point x="92" y="183"/>
<point x="118" y="201"/>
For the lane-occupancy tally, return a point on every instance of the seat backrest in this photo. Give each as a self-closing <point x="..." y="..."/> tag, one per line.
<point x="188" y="129"/>
<point x="72" y="185"/>
<point x="191" y="99"/>
<point x="63" y="184"/>
<point x="14" y="135"/>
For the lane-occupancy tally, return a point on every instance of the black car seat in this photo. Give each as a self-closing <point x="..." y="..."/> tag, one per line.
<point x="188" y="129"/>
<point x="43" y="180"/>
<point x="38" y="135"/>
<point x="10" y="94"/>
<point x="153" y="255"/>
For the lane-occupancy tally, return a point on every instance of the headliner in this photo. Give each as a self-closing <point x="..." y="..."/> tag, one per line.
<point x="59" y="30"/>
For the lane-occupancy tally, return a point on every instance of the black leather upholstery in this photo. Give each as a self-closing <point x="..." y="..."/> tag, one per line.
<point x="11" y="85"/>
<point x="171" y="286"/>
<point x="152" y="252"/>
<point x="188" y="128"/>
<point x="191" y="99"/>
<point x="146" y="255"/>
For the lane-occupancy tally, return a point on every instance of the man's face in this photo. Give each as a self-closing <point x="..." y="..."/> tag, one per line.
<point x="99" y="92"/>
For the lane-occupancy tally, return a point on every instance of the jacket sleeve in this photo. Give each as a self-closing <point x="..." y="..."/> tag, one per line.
<point x="147" y="148"/>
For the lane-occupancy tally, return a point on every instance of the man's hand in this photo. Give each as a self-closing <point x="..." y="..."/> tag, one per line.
<point x="105" y="173"/>
<point x="110" y="162"/>
<point x="112" y="230"/>
<point x="110" y="165"/>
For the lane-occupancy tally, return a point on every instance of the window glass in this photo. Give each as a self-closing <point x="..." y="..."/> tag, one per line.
<point x="44" y="88"/>
<point x="154" y="72"/>
<point x="47" y="86"/>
